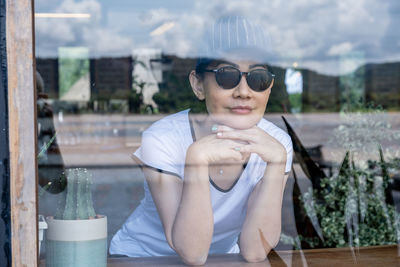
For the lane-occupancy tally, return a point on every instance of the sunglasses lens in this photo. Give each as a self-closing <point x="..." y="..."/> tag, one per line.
<point x="259" y="80"/>
<point x="228" y="77"/>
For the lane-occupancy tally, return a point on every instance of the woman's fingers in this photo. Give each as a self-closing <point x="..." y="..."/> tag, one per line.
<point x="249" y="135"/>
<point x="223" y="150"/>
<point x="253" y="140"/>
<point x="254" y="135"/>
<point x="222" y="128"/>
<point x="246" y="149"/>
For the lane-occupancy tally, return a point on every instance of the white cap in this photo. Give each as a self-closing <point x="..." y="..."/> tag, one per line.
<point x="239" y="35"/>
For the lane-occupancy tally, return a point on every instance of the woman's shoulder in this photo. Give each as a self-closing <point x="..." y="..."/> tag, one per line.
<point x="163" y="144"/>
<point x="170" y="124"/>
<point x="171" y="131"/>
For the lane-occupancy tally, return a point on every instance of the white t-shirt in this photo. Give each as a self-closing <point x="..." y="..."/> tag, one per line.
<point x="164" y="146"/>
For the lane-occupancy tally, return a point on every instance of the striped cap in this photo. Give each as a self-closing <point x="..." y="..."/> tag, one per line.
<point x="239" y="36"/>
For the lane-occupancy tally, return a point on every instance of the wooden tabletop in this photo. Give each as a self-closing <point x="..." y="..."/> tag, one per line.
<point x="367" y="256"/>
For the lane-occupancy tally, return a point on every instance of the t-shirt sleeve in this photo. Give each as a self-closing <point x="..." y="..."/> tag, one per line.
<point x="289" y="156"/>
<point x="284" y="139"/>
<point x="160" y="151"/>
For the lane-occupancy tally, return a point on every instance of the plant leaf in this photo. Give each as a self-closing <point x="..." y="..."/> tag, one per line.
<point x="305" y="226"/>
<point x="386" y="178"/>
<point x="345" y="166"/>
<point x="46" y="146"/>
<point x="309" y="167"/>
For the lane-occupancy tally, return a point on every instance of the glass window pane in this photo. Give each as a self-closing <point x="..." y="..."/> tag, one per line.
<point x="131" y="97"/>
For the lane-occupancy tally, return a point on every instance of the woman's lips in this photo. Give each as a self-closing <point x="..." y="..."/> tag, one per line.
<point x="241" y="109"/>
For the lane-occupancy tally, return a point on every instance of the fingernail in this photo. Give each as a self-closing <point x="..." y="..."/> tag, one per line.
<point x="219" y="134"/>
<point x="214" y="128"/>
<point x="237" y="148"/>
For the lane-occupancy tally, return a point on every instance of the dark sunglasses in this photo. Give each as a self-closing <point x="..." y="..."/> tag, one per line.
<point x="229" y="77"/>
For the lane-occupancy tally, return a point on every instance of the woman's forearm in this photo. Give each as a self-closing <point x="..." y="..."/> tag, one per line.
<point x="193" y="226"/>
<point x="264" y="215"/>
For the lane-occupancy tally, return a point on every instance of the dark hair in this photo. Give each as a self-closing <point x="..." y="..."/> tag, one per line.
<point x="204" y="63"/>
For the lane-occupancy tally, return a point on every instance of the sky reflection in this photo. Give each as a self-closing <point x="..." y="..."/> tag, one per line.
<point x="316" y="34"/>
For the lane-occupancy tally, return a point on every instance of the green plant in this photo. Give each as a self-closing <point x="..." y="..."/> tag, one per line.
<point x="351" y="208"/>
<point x="78" y="204"/>
<point x="73" y="64"/>
<point x="177" y="95"/>
<point x="355" y="208"/>
<point x="279" y="98"/>
<point x="295" y="100"/>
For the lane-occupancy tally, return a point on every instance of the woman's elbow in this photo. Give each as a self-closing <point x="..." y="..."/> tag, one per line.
<point x="190" y="255"/>
<point x="191" y="258"/>
<point x="254" y="256"/>
<point x="195" y="254"/>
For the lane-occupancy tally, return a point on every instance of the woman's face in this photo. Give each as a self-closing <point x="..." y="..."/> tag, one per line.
<point x="239" y="107"/>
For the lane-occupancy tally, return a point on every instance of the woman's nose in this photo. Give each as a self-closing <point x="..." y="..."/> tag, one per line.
<point x="242" y="89"/>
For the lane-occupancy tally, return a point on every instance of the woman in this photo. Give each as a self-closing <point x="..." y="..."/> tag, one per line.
<point x="214" y="184"/>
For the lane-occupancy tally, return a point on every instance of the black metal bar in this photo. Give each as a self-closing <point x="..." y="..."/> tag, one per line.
<point x="5" y="216"/>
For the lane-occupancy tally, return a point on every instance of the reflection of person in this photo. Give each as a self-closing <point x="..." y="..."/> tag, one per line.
<point x="214" y="181"/>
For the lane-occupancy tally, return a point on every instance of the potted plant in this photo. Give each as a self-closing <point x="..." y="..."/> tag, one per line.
<point x="76" y="236"/>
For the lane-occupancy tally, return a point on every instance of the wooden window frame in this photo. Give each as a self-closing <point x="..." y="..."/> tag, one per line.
<point x="22" y="131"/>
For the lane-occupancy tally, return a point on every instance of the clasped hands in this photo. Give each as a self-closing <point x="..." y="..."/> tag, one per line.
<point x="226" y="144"/>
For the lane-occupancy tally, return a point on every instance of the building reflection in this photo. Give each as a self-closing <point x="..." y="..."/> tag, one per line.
<point x="113" y="86"/>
